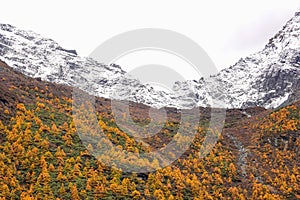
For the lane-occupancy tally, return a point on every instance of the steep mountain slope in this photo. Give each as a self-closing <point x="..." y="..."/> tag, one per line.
<point x="42" y="156"/>
<point x="267" y="78"/>
<point x="266" y="148"/>
<point x="38" y="57"/>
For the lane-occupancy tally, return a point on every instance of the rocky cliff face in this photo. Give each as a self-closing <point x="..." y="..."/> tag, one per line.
<point x="267" y="78"/>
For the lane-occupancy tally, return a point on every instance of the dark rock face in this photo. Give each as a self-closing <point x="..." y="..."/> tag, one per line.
<point x="68" y="51"/>
<point x="281" y="82"/>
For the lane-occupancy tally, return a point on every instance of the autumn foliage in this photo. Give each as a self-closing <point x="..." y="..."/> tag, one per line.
<point x="43" y="157"/>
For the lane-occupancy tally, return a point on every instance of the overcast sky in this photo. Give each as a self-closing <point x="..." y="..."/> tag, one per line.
<point x="227" y="30"/>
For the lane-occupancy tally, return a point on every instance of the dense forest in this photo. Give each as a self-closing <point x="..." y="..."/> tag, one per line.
<point x="42" y="155"/>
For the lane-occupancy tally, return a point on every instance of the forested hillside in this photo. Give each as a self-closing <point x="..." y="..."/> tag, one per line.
<point x="42" y="156"/>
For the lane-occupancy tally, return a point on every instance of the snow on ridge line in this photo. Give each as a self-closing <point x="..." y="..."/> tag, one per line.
<point x="265" y="78"/>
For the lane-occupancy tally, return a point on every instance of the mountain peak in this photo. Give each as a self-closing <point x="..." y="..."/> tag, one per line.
<point x="288" y="37"/>
<point x="267" y="78"/>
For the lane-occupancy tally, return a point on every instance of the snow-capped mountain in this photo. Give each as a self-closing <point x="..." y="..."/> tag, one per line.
<point x="38" y="57"/>
<point x="267" y="78"/>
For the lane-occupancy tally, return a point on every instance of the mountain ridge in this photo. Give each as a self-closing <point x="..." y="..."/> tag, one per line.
<point x="265" y="78"/>
<point x="268" y="78"/>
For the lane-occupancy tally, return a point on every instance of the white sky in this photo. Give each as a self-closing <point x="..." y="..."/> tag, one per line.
<point x="227" y="30"/>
